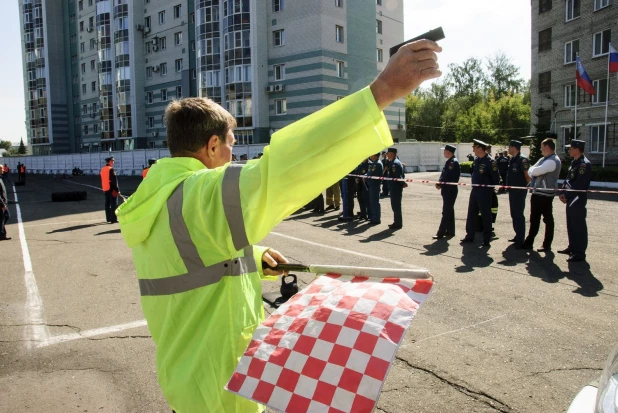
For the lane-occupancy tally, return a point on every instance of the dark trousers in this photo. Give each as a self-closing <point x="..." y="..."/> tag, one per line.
<point x="517" y="203"/>
<point x="541" y="206"/>
<point x="480" y="201"/>
<point x="576" y="225"/>
<point x="3" y="220"/>
<point x="375" y="212"/>
<point x="110" y="207"/>
<point x="447" y="224"/>
<point x="363" y="198"/>
<point x="350" y="193"/>
<point x="396" y="192"/>
<point x="318" y="203"/>
<point x="385" y="188"/>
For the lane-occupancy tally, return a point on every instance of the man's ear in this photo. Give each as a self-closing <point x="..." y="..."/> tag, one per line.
<point x="213" y="142"/>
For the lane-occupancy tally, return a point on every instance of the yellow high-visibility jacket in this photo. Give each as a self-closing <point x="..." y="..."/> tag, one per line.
<point x="192" y="231"/>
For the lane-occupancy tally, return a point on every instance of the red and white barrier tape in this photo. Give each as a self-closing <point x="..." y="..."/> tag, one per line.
<point x="424" y="181"/>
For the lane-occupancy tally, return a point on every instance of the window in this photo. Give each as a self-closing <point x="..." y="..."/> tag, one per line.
<point x="85" y="129"/>
<point x="149" y="72"/>
<point x="278" y="38"/>
<point x="193" y="45"/>
<point x="177" y="38"/>
<point x="599" y="4"/>
<point x="570" y="51"/>
<point x="601" y="87"/>
<point x="152" y="145"/>
<point x="545" y="82"/>
<point x="340" y="66"/>
<point x="80" y="5"/>
<point x="95" y="128"/>
<point x="178" y="92"/>
<point x="83" y="67"/>
<point x="163" y="69"/>
<point x="148" y="47"/>
<point x="92" y="65"/>
<point x="281" y="107"/>
<point x="380" y="55"/>
<point x="178" y="11"/>
<point x="81" y="26"/>
<point x="339" y="34"/>
<point x="84" y="109"/>
<point x="567" y="135"/>
<point x="572" y="9"/>
<point x="73" y="39"/>
<point x="194" y="74"/>
<point x="162" y="17"/>
<point x="163" y="95"/>
<point x="91" y="22"/>
<point x="93" y="44"/>
<point x="83" y="88"/>
<point x="378" y="26"/>
<point x="597" y="138"/>
<point x="178" y="65"/>
<point x="545" y="40"/>
<point x="192" y="17"/>
<point x="150" y="121"/>
<point x="82" y="47"/>
<point x="600" y="42"/>
<point x="72" y="18"/>
<point x="544" y="5"/>
<point x="569" y="96"/>
<point x="93" y="86"/>
<point x="378" y="2"/>
<point x="163" y="43"/>
<point x="148" y="97"/>
<point x="277" y="5"/>
<point x="279" y="71"/>
<point x="89" y="2"/>
<point x="338" y="3"/>
<point x="147" y="21"/>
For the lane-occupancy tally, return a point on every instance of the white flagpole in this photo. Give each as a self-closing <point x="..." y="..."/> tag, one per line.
<point x="606" y="107"/>
<point x="575" y="130"/>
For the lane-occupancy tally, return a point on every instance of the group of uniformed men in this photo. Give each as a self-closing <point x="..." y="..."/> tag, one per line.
<point x="542" y="178"/>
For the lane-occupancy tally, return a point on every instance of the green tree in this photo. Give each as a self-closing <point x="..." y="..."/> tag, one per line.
<point x="424" y="111"/>
<point x="6" y="145"/>
<point x="503" y="77"/>
<point x="22" y="148"/>
<point x="467" y="79"/>
<point x="510" y="117"/>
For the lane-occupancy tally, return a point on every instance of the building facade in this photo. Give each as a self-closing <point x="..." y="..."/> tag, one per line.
<point x="561" y="31"/>
<point x="98" y="74"/>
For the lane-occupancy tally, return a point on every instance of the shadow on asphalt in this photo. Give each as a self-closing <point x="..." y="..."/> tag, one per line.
<point x="112" y="231"/>
<point x="548" y="271"/>
<point x="474" y="257"/>
<point x="438" y="247"/>
<point x="380" y="236"/>
<point x="77" y="227"/>
<point x="512" y="256"/>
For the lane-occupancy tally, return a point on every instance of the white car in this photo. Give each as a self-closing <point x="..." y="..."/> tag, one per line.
<point x="600" y="396"/>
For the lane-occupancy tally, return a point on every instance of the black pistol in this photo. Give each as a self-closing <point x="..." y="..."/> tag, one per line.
<point x="435" y="35"/>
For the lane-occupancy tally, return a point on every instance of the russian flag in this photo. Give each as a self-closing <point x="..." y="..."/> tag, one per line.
<point x="583" y="80"/>
<point x="613" y="59"/>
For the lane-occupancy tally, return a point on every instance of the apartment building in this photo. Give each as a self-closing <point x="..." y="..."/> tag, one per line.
<point x="98" y="74"/>
<point x="561" y="31"/>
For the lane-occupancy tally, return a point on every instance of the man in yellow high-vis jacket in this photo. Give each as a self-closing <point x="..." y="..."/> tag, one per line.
<point x="193" y="224"/>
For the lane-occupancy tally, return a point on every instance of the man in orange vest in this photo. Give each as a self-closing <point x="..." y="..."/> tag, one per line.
<point x="6" y="170"/>
<point x="22" y="173"/>
<point x="151" y="162"/>
<point x="109" y="184"/>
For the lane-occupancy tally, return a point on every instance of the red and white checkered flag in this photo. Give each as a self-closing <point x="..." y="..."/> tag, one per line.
<point x="329" y="348"/>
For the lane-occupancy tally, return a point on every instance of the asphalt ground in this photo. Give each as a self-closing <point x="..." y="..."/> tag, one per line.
<point x="503" y="330"/>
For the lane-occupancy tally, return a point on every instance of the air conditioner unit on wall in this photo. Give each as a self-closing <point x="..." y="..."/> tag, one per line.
<point x="279" y="88"/>
<point x="146" y="30"/>
<point x="154" y="133"/>
<point x="155" y="48"/>
<point x="270" y="88"/>
<point x="155" y="68"/>
<point x="139" y="27"/>
<point x="89" y="29"/>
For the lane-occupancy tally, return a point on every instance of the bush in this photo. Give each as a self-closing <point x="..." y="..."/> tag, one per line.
<point x="466" y="167"/>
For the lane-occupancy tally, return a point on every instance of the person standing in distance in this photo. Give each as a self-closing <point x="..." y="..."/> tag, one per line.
<point x="109" y="185"/>
<point x="375" y="170"/>
<point x="544" y="179"/>
<point x="484" y="172"/>
<point x="578" y="177"/>
<point x="517" y="175"/>
<point x="396" y="187"/>
<point x="145" y="171"/>
<point x="450" y="173"/>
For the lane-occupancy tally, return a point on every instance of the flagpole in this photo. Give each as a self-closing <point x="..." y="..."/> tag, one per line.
<point x="575" y="130"/>
<point x="606" y="107"/>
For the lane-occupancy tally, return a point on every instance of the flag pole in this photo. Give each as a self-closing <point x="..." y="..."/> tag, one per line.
<point x="606" y="107"/>
<point x="575" y="127"/>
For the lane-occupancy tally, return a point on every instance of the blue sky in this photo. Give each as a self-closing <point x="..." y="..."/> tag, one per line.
<point x="478" y="28"/>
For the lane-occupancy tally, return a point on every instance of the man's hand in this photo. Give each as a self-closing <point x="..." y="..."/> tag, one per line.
<point x="563" y="199"/>
<point x="413" y="64"/>
<point x="438" y="186"/>
<point x="272" y="258"/>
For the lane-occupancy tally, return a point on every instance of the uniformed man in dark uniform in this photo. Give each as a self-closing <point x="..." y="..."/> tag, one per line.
<point x="385" y="168"/>
<point x="375" y="170"/>
<point x="485" y="172"/>
<point x="503" y="167"/>
<point x="396" y="187"/>
<point x="578" y="177"/>
<point x="362" y="192"/>
<point x="518" y="176"/>
<point x="450" y="173"/>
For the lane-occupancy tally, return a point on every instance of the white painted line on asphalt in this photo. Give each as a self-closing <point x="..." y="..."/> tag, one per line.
<point x="91" y="333"/>
<point x="36" y="331"/>
<point x="89" y="186"/>
<point x="455" y="331"/>
<point x="360" y="254"/>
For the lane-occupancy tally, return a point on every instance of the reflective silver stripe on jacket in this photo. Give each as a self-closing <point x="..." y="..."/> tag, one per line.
<point x="198" y="275"/>
<point x="230" y="192"/>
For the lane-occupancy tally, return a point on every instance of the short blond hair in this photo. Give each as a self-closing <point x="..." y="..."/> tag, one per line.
<point x="192" y="121"/>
